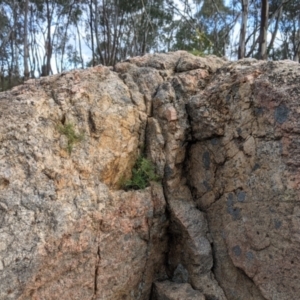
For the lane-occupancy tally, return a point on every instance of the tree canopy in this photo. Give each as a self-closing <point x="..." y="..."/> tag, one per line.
<point x="42" y="37"/>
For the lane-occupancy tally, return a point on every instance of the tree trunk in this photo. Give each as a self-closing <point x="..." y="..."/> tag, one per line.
<point x="48" y="45"/>
<point x="242" y="43"/>
<point x="297" y="42"/>
<point x="26" y="50"/>
<point x="262" y="52"/>
<point x="92" y="32"/>
<point x="80" y="47"/>
<point x="275" y="29"/>
<point x="64" y="39"/>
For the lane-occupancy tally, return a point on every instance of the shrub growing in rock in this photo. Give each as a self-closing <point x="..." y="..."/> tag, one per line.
<point x="73" y="138"/>
<point x="142" y="173"/>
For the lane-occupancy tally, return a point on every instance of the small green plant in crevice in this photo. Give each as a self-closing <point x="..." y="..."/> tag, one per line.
<point x="73" y="138"/>
<point x="142" y="173"/>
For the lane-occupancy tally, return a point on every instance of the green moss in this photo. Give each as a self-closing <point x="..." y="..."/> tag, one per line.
<point x="142" y="173"/>
<point x="73" y="138"/>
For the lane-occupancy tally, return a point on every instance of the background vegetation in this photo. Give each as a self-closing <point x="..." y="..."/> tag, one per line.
<point x="40" y="37"/>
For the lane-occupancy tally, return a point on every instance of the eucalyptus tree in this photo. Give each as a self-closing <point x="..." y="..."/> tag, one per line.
<point x="53" y="20"/>
<point x="5" y="32"/>
<point x="121" y="28"/>
<point x="10" y="43"/>
<point x="66" y="36"/>
<point x="270" y="19"/>
<point x="290" y="31"/>
<point x="202" y="26"/>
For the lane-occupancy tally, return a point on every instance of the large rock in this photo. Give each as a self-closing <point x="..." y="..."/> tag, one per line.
<point x="66" y="232"/>
<point x="224" y="223"/>
<point x="243" y="173"/>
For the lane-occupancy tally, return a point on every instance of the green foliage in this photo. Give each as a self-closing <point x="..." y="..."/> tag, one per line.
<point x="114" y="30"/>
<point x="204" y="40"/>
<point x="72" y="137"/>
<point x="205" y="44"/>
<point x="7" y="82"/>
<point x="197" y="52"/>
<point x="142" y="173"/>
<point x="194" y="41"/>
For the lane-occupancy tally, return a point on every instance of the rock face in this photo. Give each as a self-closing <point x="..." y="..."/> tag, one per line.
<point x="223" y="223"/>
<point x="175" y="291"/>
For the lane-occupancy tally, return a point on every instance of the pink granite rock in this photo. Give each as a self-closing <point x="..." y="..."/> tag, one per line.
<point x="223" y="223"/>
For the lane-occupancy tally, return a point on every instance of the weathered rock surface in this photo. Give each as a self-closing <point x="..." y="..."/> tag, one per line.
<point x="168" y="290"/>
<point x="224" y="223"/>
